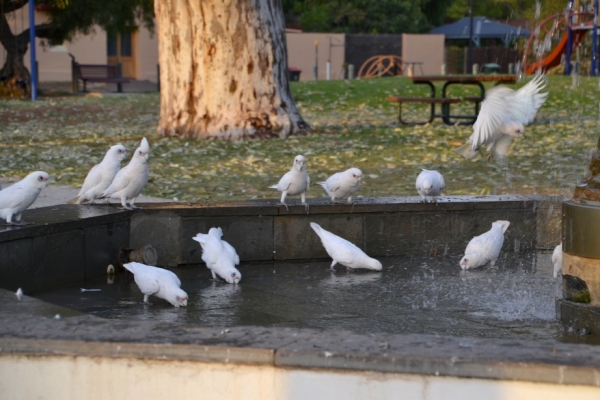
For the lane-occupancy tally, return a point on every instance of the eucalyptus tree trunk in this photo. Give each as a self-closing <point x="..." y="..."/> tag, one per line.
<point x="223" y="70"/>
<point x="15" y="80"/>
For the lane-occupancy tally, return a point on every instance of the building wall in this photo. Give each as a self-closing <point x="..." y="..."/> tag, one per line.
<point x="147" y="47"/>
<point x="427" y="48"/>
<point x="54" y="63"/>
<point x="301" y="53"/>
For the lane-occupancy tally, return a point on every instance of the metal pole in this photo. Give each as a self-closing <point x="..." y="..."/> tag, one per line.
<point x="34" y="77"/>
<point x="569" y="39"/>
<point x="316" y="67"/>
<point x="470" y="48"/>
<point x="594" y="66"/>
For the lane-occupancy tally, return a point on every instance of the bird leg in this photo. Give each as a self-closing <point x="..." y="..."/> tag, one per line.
<point x="332" y="264"/>
<point x="214" y="275"/>
<point x="146" y="296"/>
<point x="283" y="194"/>
<point x="303" y="200"/>
<point x="124" y="204"/>
<point x="132" y="203"/>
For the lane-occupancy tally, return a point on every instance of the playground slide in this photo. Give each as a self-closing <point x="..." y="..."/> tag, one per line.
<point x="553" y="59"/>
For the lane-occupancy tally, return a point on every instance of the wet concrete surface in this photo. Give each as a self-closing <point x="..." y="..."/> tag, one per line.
<point x="413" y="295"/>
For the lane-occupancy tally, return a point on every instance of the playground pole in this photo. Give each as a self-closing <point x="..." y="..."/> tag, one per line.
<point x="470" y="48"/>
<point x="594" y="66"/>
<point x="569" y="39"/>
<point x="34" y="78"/>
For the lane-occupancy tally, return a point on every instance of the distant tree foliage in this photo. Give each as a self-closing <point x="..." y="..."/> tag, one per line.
<point x="403" y="16"/>
<point x="358" y="16"/>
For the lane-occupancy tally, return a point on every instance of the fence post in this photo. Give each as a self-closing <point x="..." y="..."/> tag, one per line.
<point x="119" y="75"/>
<point x="158" y="77"/>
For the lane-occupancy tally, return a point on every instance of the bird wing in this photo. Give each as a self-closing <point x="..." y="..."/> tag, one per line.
<point x="213" y="248"/>
<point x="120" y="182"/>
<point x="285" y="182"/>
<point x="146" y="277"/>
<point x="12" y="196"/>
<point x="93" y="178"/>
<point x="494" y="111"/>
<point x="525" y="102"/>
<point x="338" y="248"/>
<point x="231" y="252"/>
<point x="166" y="276"/>
<point x="441" y="181"/>
<point x="333" y="183"/>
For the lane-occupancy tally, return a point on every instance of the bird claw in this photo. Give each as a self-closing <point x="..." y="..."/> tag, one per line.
<point x="285" y="205"/>
<point x="307" y="207"/>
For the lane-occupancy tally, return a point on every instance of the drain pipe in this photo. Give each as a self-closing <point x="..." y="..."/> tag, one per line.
<point x="145" y="255"/>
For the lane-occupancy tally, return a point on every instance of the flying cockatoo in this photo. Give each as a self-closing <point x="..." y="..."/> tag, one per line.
<point x="294" y="182"/>
<point x="130" y="181"/>
<point x="101" y="175"/>
<point x="504" y="114"/>
<point x="159" y="282"/>
<point x="430" y="183"/>
<point x="18" y="197"/>
<point x="344" y="252"/>
<point x="343" y="185"/>
<point x="220" y="257"/>
<point x="485" y="247"/>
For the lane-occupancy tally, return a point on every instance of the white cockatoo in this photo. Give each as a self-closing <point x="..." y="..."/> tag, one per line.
<point x="485" y="247"/>
<point x="130" y="181"/>
<point x="430" y="183"/>
<point x="343" y="185"/>
<point x="504" y="114"/>
<point x="220" y="257"/>
<point x="101" y="175"/>
<point x="294" y="182"/>
<point x="18" y="197"/>
<point x="19" y="294"/>
<point x="557" y="259"/>
<point x="159" y="282"/>
<point x="344" y="252"/>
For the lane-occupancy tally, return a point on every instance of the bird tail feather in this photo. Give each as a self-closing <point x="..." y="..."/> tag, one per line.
<point x="74" y="201"/>
<point x="316" y="227"/>
<point x="272" y="187"/>
<point x="466" y="150"/>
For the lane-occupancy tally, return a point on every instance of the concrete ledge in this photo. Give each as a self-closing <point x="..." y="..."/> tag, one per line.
<point x="29" y="328"/>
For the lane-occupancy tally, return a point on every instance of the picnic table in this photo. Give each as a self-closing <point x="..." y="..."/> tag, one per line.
<point x="445" y="101"/>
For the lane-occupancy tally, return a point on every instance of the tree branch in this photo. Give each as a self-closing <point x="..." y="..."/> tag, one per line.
<point x="8" y="6"/>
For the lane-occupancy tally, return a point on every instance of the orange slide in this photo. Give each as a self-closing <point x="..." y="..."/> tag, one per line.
<point x="554" y="57"/>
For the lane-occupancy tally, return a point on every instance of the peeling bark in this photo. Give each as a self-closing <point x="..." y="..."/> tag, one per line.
<point x="223" y="70"/>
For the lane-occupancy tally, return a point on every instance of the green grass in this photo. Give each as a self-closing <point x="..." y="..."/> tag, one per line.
<point x="353" y="125"/>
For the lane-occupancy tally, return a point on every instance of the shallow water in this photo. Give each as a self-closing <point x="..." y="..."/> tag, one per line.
<point x="514" y="300"/>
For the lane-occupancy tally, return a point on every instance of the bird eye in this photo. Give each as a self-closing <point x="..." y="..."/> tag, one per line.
<point x="233" y="274"/>
<point x="177" y="298"/>
<point x="40" y="178"/>
<point x="140" y="152"/>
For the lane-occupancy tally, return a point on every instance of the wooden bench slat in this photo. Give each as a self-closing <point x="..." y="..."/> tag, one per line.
<point x="100" y="73"/>
<point x="427" y="100"/>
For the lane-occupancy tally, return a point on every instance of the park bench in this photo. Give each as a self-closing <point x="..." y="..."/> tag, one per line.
<point x="444" y="101"/>
<point x="100" y="73"/>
